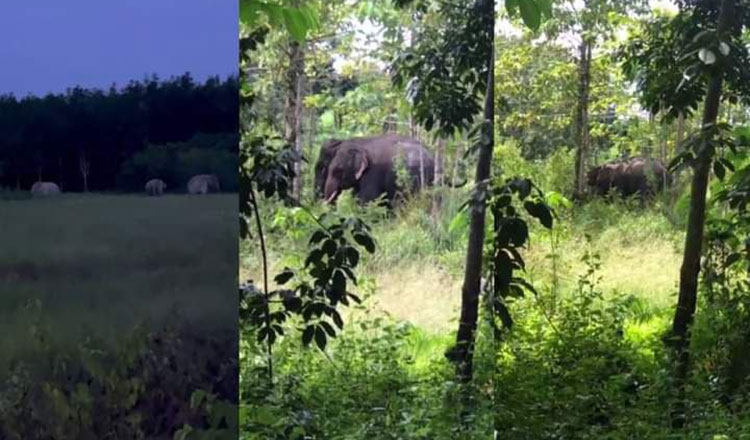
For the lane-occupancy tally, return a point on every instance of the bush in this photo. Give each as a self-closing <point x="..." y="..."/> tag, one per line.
<point x="175" y="163"/>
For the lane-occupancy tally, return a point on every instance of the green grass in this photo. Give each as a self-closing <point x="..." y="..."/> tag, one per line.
<point x="417" y="269"/>
<point x="101" y="264"/>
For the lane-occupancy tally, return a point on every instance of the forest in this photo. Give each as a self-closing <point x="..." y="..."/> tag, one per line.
<point x="561" y="253"/>
<point x="115" y="140"/>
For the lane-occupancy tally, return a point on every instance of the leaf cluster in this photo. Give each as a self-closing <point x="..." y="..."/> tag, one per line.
<point x="318" y="288"/>
<point x="445" y="71"/>
<point x="511" y="233"/>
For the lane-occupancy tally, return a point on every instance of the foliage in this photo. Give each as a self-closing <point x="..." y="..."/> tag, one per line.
<point x="445" y="73"/>
<point x="141" y="390"/>
<point x="176" y="162"/>
<point x="511" y="233"/>
<point x="45" y="137"/>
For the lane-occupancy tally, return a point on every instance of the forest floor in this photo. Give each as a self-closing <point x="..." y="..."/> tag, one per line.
<point x="101" y="264"/>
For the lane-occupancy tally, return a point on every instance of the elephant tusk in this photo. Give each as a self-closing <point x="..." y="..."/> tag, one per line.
<point x="332" y="197"/>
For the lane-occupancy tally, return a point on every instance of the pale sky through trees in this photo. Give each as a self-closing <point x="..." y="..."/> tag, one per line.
<point x="49" y="45"/>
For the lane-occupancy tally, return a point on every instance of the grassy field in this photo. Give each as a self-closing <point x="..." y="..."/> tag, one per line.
<point x="101" y="264"/>
<point x="416" y="273"/>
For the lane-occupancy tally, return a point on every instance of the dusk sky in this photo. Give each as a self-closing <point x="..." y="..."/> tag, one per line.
<point x="50" y="45"/>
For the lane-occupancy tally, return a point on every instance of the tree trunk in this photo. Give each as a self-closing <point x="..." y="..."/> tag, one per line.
<point x="293" y="109"/>
<point x="691" y="259"/>
<point x="60" y="182"/>
<point x="439" y="159"/>
<point x="437" y="198"/>
<point x="456" y="161"/>
<point x="463" y="352"/>
<point x="680" y="133"/>
<point x="582" y="115"/>
<point x="421" y="170"/>
<point x="84" y="166"/>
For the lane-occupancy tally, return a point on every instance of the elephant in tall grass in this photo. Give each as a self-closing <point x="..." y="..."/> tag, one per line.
<point x="45" y="189"/>
<point x="203" y="184"/>
<point x="155" y="187"/>
<point x="368" y="165"/>
<point x="639" y="175"/>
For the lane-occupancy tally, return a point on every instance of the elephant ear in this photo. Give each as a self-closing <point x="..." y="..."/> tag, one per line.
<point x="361" y="162"/>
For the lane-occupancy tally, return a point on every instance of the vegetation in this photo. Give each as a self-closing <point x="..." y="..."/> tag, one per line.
<point x="95" y="140"/>
<point x="569" y="323"/>
<point x="112" y="318"/>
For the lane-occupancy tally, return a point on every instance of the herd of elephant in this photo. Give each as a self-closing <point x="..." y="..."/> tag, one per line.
<point x="199" y="184"/>
<point x="366" y="165"/>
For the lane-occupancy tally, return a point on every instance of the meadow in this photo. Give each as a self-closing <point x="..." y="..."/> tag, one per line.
<point x="106" y="275"/>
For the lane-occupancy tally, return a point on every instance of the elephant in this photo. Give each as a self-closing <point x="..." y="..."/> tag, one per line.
<point x="368" y="165"/>
<point x="639" y="175"/>
<point x="203" y="184"/>
<point x="155" y="187"/>
<point x="45" y="189"/>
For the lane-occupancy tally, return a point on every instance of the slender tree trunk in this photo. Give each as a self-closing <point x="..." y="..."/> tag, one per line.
<point x="582" y="115"/>
<point x="691" y="259"/>
<point x="84" y="166"/>
<point x="439" y="160"/>
<point x="456" y="160"/>
<point x="663" y="151"/>
<point x="680" y="133"/>
<point x="293" y="109"/>
<point x="463" y="352"/>
<point x="60" y="173"/>
<point x="421" y="170"/>
<point x="437" y="198"/>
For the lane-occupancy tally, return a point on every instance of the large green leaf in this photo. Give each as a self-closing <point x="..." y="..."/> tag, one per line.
<point x="530" y="13"/>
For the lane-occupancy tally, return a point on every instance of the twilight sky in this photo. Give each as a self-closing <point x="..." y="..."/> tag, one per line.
<point x="50" y="45"/>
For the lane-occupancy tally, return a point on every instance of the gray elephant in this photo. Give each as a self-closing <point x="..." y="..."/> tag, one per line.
<point x="203" y="184"/>
<point x="368" y="165"/>
<point x="635" y="176"/>
<point x="155" y="187"/>
<point x="45" y="189"/>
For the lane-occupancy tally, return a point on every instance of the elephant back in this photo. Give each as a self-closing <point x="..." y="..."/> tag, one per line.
<point x="45" y="189"/>
<point x="203" y="184"/>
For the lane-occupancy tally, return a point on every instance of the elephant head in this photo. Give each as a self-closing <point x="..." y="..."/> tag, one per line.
<point x="604" y="177"/>
<point x="327" y="152"/>
<point x="347" y="166"/>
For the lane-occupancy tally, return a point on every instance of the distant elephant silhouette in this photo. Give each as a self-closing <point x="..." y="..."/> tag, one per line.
<point x="203" y="184"/>
<point x="45" y="189"/>
<point x="635" y="176"/>
<point x="155" y="187"/>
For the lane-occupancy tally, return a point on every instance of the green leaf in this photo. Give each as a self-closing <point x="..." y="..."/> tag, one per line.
<point x="337" y="319"/>
<point x="307" y="335"/>
<point x="530" y="13"/>
<point x="295" y="23"/>
<point x="318" y="236"/>
<point x="328" y="329"/>
<point x="284" y="276"/>
<point x="320" y="338"/>
<point x="365" y="241"/>
<point x="540" y="211"/>
<point x="719" y="170"/>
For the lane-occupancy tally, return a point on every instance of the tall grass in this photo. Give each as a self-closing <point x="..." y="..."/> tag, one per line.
<point x="100" y="264"/>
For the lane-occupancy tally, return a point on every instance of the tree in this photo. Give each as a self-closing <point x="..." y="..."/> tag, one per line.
<point x="726" y="31"/>
<point x="445" y="74"/>
<point x="592" y="25"/>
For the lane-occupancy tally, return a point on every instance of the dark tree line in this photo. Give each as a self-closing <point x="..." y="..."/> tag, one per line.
<point x="81" y="139"/>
